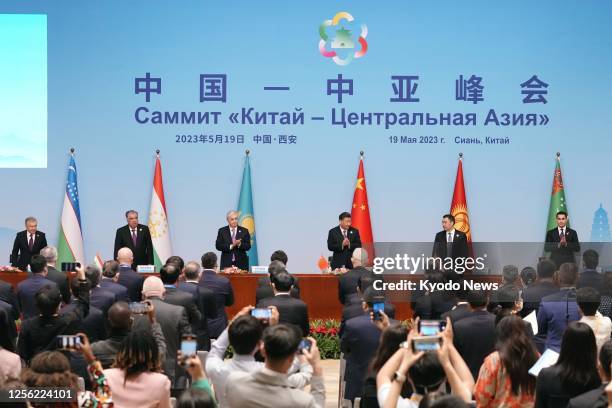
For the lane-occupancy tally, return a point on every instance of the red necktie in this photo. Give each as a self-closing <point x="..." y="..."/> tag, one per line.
<point x="134" y="237"/>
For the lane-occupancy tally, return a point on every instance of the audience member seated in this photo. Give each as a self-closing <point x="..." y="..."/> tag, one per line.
<point x="474" y="335"/>
<point x="120" y="321"/>
<point x="347" y="282"/>
<point x="290" y="309"/>
<point x="110" y="276"/>
<point x="510" y="279"/>
<point x="264" y="284"/>
<point x="127" y="276"/>
<point x="60" y="278"/>
<point x="136" y="380"/>
<point x="10" y="363"/>
<point x="574" y="373"/>
<point x="504" y="380"/>
<point x="98" y="297"/>
<point x="432" y="305"/>
<point x="174" y="325"/>
<point x="588" y="300"/>
<point x="545" y="285"/>
<point x="205" y="301"/>
<point x="222" y="288"/>
<point x="93" y="325"/>
<point x="558" y="309"/>
<point x="244" y="334"/>
<point x="40" y="333"/>
<point x="269" y="386"/>
<point x="427" y="372"/>
<point x="26" y="289"/>
<point x="169" y="275"/>
<point x="596" y="398"/>
<point x="589" y="276"/>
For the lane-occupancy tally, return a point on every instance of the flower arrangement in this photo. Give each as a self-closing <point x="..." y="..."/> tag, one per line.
<point x="325" y="332"/>
<point x="10" y="269"/>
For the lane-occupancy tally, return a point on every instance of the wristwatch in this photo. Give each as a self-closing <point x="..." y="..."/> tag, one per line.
<point x="399" y="377"/>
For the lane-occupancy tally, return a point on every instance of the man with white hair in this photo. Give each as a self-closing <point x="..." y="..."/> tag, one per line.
<point x="27" y="243"/>
<point x="127" y="277"/>
<point x="59" y="277"/>
<point x="347" y="285"/>
<point x="136" y="237"/>
<point x="233" y="241"/>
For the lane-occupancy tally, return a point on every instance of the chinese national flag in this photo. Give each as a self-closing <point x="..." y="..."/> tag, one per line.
<point x="459" y="208"/>
<point x="360" y="213"/>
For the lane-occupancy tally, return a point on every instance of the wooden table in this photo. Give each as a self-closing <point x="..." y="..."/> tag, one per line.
<point x="320" y="292"/>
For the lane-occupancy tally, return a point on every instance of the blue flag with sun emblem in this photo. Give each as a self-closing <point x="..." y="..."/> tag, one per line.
<point x="246" y="215"/>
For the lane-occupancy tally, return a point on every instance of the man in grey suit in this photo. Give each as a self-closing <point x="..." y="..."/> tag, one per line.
<point x="174" y="325"/>
<point x="269" y="386"/>
<point x="59" y="277"/>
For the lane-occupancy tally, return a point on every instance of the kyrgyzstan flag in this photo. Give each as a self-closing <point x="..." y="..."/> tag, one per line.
<point x="360" y="213"/>
<point x="459" y="207"/>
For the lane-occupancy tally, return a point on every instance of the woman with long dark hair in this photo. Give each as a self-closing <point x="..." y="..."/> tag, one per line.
<point x="504" y="380"/>
<point x="575" y="371"/>
<point x="10" y="363"/>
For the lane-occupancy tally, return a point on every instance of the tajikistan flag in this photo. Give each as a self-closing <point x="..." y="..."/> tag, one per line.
<point x="70" y="245"/>
<point x="158" y="221"/>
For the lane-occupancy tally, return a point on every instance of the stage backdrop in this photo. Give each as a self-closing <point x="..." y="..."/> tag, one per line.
<point x="305" y="87"/>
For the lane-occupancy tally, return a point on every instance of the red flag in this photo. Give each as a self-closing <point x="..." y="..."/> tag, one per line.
<point x="360" y="213"/>
<point x="459" y="207"/>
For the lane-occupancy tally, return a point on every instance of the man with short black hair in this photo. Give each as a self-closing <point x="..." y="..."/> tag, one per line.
<point x="110" y="276"/>
<point x="169" y="274"/>
<point x="544" y="286"/>
<point x="27" y="289"/>
<point x="98" y="297"/>
<point x="588" y="300"/>
<point x="93" y="325"/>
<point x="279" y="255"/>
<point x="590" y="277"/>
<point x="450" y="242"/>
<point x="137" y="238"/>
<point x="222" y="288"/>
<point x="269" y="387"/>
<point x="562" y="241"/>
<point x="597" y="398"/>
<point x="342" y="241"/>
<point x="291" y="310"/>
<point x="510" y="278"/>
<point x="264" y="284"/>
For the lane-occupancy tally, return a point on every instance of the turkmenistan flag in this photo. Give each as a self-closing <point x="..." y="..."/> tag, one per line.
<point x="158" y="220"/>
<point x="70" y="240"/>
<point x="246" y="215"/>
<point x="557" y="198"/>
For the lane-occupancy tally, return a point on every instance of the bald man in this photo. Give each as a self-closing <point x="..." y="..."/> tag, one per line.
<point x="233" y="241"/>
<point x="127" y="277"/>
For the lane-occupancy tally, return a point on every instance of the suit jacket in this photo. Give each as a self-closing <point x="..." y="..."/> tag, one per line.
<point x="457" y="313"/>
<point x="205" y="301"/>
<point x="347" y="283"/>
<point x="433" y="305"/>
<point x="174" y="325"/>
<point x="178" y="297"/>
<point x="21" y="254"/>
<point x="7" y="308"/>
<point x="591" y="399"/>
<point x="239" y="254"/>
<point x="532" y="295"/>
<point x="358" y="343"/>
<point x="132" y="281"/>
<point x="93" y="325"/>
<point x="264" y="288"/>
<point x="61" y="279"/>
<point x="290" y="310"/>
<point x="474" y="338"/>
<point x="26" y="293"/>
<point x="590" y="278"/>
<point x="224" y="296"/>
<point x="560" y="255"/>
<point x="7" y="294"/>
<point x="355" y="309"/>
<point x="553" y="318"/>
<point x="143" y="251"/>
<point x="459" y="248"/>
<point x="550" y="391"/>
<point x="342" y="255"/>
<point x="120" y="291"/>
<point x="101" y="299"/>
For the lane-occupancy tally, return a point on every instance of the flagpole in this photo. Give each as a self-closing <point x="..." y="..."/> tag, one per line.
<point x="460" y="156"/>
<point x="559" y="156"/>
<point x="361" y="155"/>
<point x="247" y="152"/>
<point x="157" y="153"/>
<point x="72" y="151"/>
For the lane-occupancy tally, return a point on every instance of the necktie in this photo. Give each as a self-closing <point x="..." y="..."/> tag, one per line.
<point x="344" y="233"/>
<point x="31" y="242"/>
<point x="449" y="243"/>
<point x="134" y="237"/>
<point x="233" y="238"/>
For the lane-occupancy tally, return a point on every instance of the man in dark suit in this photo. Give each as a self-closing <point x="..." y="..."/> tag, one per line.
<point x="290" y="310"/>
<point x="558" y="310"/>
<point x="127" y="277"/>
<point x="597" y="398"/>
<point x="461" y="309"/>
<point x="174" y="325"/>
<point x="7" y="294"/>
<point x="94" y="324"/>
<point x="264" y="284"/>
<point x="204" y="299"/>
<point x="59" y="277"/>
<point x="590" y="277"/>
<point x="544" y="286"/>
<point x="137" y="237"/>
<point x="562" y="241"/>
<point x="98" y="297"/>
<point x="360" y="306"/>
<point x="27" y="243"/>
<point x="450" y="243"/>
<point x="342" y="241"/>
<point x="26" y="289"/>
<point x="474" y="335"/>
<point x="222" y="288"/>
<point x="233" y="241"/>
<point x="110" y="276"/>
<point x="169" y="275"/>
<point x="347" y="282"/>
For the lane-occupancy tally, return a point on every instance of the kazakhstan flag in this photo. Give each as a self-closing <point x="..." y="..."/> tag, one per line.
<point x="246" y="215"/>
